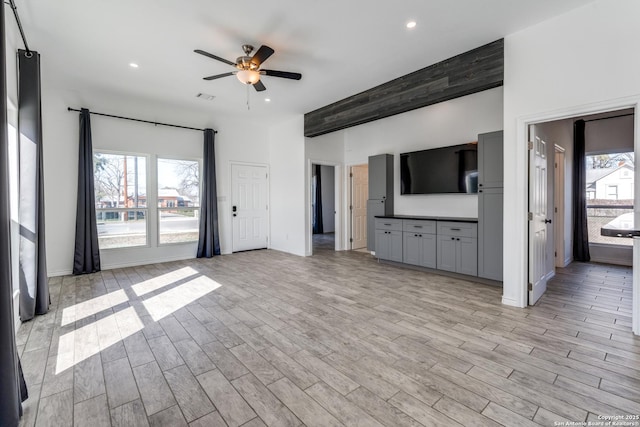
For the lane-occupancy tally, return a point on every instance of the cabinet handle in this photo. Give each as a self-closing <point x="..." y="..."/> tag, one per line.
<point x="458" y="239"/>
<point x="419" y="235"/>
<point x="415" y="235"/>
<point x="479" y="191"/>
<point x="388" y="224"/>
<point x="453" y="238"/>
<point x="417" y="226"/>
<point x="479" y="185"/>
<point x="454" y="229"/>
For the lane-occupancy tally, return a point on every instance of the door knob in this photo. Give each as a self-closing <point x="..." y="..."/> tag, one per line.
<point x="547" y="221"/>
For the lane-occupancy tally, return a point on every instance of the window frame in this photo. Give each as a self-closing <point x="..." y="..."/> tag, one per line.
<point x="148" y="233"/>
<point x="158" y="209"/>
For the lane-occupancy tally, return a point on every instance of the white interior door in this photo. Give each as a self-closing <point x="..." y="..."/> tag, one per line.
<point x="359" y="196"/>
<point x="538" y="213"/>
<point x="249" y="207"/>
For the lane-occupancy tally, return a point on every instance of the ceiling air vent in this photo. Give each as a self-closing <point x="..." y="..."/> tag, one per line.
<point x="205" y="96"/>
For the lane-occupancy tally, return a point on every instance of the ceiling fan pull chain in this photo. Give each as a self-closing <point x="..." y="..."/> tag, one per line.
<point x="248" y="106"/>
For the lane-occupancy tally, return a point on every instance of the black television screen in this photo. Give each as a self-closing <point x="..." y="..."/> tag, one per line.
<point x="440" y="170"/>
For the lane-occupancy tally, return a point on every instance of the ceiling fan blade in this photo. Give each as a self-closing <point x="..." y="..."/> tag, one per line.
<point x="262" y="54"/>
<point x="217" y="58"/>
<point x="283" y="74"/>
<point x="259" y="86"/>
<point x="217" y="76"/>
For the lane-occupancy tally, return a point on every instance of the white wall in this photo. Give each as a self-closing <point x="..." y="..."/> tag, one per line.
<point x="289" y="198"/>
<point x="61" y="157"/>
<point x="449" y="123"/>
<point x="576" y="63"/>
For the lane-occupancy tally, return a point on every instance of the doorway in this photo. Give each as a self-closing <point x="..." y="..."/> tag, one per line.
<point x="323" y="207"/>
<point x="249" y="206"/>
<point x="608" y="193"/>
<point x="359" y="194"/>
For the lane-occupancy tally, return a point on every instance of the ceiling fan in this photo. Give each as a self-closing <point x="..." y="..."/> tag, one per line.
<point x="249" y="70"/>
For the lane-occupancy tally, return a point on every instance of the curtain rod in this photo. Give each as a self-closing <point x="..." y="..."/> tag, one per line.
<point x="610" y="117"/>
<point x="15" y="13"/>
<point x="140" y="120"/>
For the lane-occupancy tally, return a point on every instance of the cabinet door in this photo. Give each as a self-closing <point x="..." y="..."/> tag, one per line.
<point x="412" y="251"/>
<point x="381" y="176"/>
<point x="490" y="160"/>
<point x="428" y="250"/>
<point x="374" y="207"/>
<point x="395" y="246"/>
<point x="446" y="253"/>
<point x="490" y="202"/>
<point x="382" y="244"/>
<point x="467" y="255"/>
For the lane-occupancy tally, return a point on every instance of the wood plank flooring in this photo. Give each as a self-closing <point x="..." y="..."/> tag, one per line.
<point x="266" y="338"/>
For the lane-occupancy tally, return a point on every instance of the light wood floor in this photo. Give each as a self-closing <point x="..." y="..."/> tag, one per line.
<point x="335" y="339"/>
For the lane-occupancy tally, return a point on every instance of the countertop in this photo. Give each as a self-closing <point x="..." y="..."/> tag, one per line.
<point x="430" y="218"/>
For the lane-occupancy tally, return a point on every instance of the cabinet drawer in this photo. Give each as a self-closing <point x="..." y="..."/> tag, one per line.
<point x="458" y="229"/>
<point x="388" y="224"/>
<point x="419" y="226"/>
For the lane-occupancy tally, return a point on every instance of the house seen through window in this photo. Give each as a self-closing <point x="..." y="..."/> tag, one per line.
<point x="178" y="200"/>
<point x="121" y="199"/>
<point x="609" y="190"/>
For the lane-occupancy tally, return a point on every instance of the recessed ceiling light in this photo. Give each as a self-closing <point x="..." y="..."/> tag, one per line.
<point x="267" y="100"/>
<point x="411" y="24"/>
<point x="133" y="65"/>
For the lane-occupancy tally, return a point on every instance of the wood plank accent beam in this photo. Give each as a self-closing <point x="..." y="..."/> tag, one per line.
<point x="470" y="72"/>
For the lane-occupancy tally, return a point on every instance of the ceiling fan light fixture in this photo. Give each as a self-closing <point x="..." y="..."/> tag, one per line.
<point x="248" y="77"/>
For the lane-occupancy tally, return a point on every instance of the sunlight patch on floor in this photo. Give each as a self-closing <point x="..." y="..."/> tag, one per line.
<point x="82" y="343"/>
<point x="174" y="299"/>
<point x="159" y="282"/>
<point x="93" y="306"/>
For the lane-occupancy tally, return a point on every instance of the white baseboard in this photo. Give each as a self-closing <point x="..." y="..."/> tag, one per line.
<point x="511" y="302"/>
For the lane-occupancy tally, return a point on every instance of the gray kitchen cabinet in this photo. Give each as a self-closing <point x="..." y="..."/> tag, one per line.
<point x="467" y="255"/>
<point x="446" y="253"/>
<point x="490" y="203"/>
<point x="388" y="239"/>
<point x="380" y="199"/>
<point x="381" y="177"/>
<point x="458" y="247"/>
<point x="490" y="160"/>
<point x="374" y="208"/>
<point x="419" y="243"/>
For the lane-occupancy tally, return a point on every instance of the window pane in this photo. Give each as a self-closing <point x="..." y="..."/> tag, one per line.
<point x="121" y="229"/>
<point x="178" y="183"/>
<point x="179" y="225"/>
<point x="609" y="194"/>
<point x="120" y="182"/>
<point x="178" y="200"/>
<point x="118" y="178"/>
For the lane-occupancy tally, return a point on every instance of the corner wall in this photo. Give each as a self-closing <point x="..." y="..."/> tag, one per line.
<point x="289" y="215"/>
<point x="576" y="63"/>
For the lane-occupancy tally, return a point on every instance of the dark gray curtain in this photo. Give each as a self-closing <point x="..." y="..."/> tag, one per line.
<point x="10" y="407"/>
<point x="86" y="258"/>
<point x="318" y="227"/>
<point x="34" y="287"/>
<point x="208" y="239"/>
<point x="580" y="230"/>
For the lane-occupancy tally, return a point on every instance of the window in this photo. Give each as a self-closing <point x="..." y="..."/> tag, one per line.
<point x="178" y="200"/>
<point x="121" y="199"/>
<point x="609" y="193"/>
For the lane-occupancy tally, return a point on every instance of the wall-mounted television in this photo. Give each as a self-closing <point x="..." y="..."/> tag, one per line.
<point x="440" y="170"/>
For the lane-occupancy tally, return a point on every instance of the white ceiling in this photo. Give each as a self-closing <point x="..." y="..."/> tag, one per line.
<point x="341" y="47"/>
